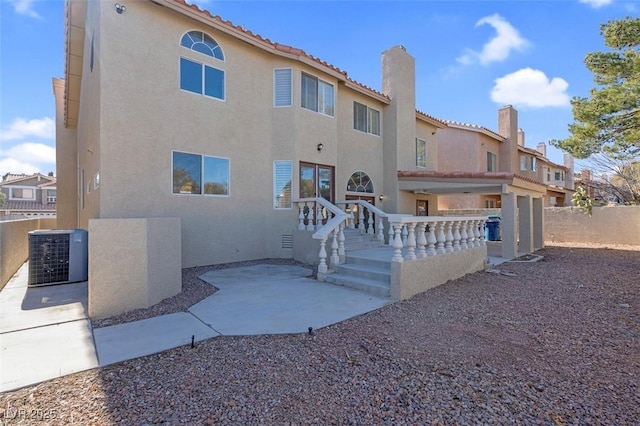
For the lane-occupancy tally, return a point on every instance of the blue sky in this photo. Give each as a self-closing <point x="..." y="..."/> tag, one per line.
<point x="472" y="57"/>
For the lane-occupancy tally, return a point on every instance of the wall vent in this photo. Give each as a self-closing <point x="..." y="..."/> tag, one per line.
<point x="287" y="241"/>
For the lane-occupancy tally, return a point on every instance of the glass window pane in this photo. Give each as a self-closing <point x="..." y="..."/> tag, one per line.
<point x="186" y="41"/>
<point x="309" y="92"/>
<point x="190" y="76"/>
<point x="325" y="180"/>
<point x="282" y="175"/>
<point x="325" y="98"/>
<point x="359" y="117"/>
<point x="374" y="122"/>
<point x="202" y="48"/>
<point x="214" y="48"/>
<point x="216" y="176"/>
<point x="186" y="173"/>
<point x="307" y="181"/>
<point x="421" y="153"/>
<point x="214" y="82"/>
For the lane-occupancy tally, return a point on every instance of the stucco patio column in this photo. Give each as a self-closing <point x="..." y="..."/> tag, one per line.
<point x="508" y="225"/>
<point x="525" y="224"/>
<point x="538" y="223"/>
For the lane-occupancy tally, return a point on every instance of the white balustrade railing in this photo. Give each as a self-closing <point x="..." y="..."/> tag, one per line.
<point x="370" y="223"/>
<point x="423" y="236"/>
<point x="328" y="221"/>
<point x="412" y="237"/>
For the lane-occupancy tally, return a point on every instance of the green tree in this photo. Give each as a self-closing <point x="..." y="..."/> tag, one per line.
<point x="581" y="199"/>
<point x="3" y="199"/>
<point x="609" y="120"/>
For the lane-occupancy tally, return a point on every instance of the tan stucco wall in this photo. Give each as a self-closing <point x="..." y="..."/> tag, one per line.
<point x="14" y="243"/>
<point x="607" y="225"/>
<point x="133" y="263"/>
<point x="89" y="119"/>
<point x="420" y="275"/>
<point x="66" y="164"/>
<point x="136" y="114"/>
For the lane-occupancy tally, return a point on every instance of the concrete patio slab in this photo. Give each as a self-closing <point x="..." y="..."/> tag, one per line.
<point x="139" y="338"/>
<point x="43" y="353"/>
<point x="23" y="307"/>
<point x="249" y="302"/>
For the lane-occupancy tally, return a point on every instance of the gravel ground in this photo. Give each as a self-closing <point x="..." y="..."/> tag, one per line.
<point x="553" y="342"/>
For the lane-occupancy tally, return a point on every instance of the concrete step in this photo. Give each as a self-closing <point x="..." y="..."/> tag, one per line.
<point x="360" y="245"/>
<point x="359" y="258"/>
<point x="383" y="275"/>
<point x="362" y="284"/>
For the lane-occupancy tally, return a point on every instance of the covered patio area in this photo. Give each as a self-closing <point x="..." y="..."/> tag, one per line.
<point x="522" y="203"/>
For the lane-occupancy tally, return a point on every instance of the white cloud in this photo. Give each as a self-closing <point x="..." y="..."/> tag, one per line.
<point x="30" y="152"/>
<point x="596" y="4"/>
<point x="11" y="165"/>
<point x="25" y="7"/>
<point x="497" y="49"/>
<point x="20" y="128"/>
<point x="530" y="88"/>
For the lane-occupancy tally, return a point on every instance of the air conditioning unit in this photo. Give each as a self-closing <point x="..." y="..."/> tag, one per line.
<point x="57" y="257"/>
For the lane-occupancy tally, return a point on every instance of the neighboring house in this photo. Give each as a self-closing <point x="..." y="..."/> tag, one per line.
<point x="471" y="148"/>
<point x="28" y="195"/>
<point x="166" y="111"/>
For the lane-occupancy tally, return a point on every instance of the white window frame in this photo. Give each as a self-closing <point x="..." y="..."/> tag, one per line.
<point x="489" y="203"/>
<point x="368" y="119"/>
<point x="31" y="188"/>
<point x="202" y="158"/>
<point x="275" y="88"/>
<point x="276" y="192"/>
<point x="523" y="162"/>
<point x="319" y="98"/>
<point x="423" y="164"/>
<point x="203" y="66"/>
<point x="492" y="162"/>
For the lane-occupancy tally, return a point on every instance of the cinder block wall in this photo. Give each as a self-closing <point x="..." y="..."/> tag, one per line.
<point x="14" y="243"/>
<point x="607" y="225"/>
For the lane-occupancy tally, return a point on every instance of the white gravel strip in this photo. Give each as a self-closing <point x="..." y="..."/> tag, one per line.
<point x="553" y="342"/>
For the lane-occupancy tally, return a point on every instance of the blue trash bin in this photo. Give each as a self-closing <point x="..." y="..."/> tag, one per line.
<point x="492" y="229"/>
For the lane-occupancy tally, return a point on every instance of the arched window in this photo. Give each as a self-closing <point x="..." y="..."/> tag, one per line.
<point x="198" y="77"/>
<point x="360" y="182"/>
<point x="203" y="43"/>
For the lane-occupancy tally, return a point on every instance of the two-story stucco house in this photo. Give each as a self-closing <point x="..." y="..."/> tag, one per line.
<point x="176" y="124"/>
<point x="473" y="148"/>
<point x="223" y="128"/>
<point x="29" y="195"/>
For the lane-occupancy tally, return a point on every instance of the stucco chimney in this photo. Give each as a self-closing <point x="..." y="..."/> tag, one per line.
<point x="568" y="178"/>
<point x="399" y="118"/>
<point x="508" y="128"/>
<point x="542" y="148"/>
<point x="520" y="137"/>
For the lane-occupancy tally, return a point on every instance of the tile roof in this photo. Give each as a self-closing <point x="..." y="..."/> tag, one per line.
<point x="466" y="175"/>
<point x="301" y="53"/>
<point x="28" y="206"/>
<point x="474" y="127"/>
<point x="11" y="179"/>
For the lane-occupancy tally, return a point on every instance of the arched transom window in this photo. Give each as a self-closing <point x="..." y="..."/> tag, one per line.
<point x="201" y="77"/>
<point x="203" y="43"/>
<point x="360" y="182"/>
